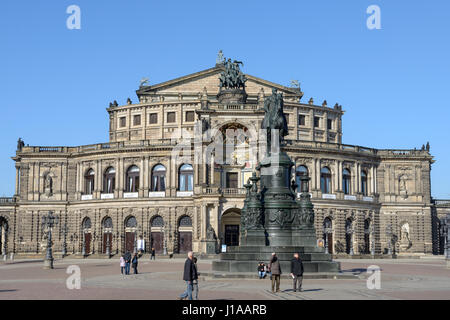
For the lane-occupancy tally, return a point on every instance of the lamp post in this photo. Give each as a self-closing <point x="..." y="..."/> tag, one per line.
<point x="372" y="239"/>
<point x="389" y="238"/>
<point x="64" y="229"/>
<point x="326" y="230"/>
<point x="349" y="232"/>
<point x="135" y="241"/>
<point x="447" y="240"/>
<point x="165" y="240"/>
<point x="83" y="248"/>
<point x="108" y="244"/>
<point x="48" y="222"/>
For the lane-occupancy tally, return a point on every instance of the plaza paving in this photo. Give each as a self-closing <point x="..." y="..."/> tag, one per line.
<point x="162" y="279"/>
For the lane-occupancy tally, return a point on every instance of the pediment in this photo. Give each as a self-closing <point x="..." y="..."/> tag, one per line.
<point x="194" y="84"/>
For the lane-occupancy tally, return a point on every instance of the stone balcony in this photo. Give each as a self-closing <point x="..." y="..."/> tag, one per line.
<point x="7" y="201"/>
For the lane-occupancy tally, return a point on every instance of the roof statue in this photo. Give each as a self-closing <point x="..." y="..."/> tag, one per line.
<point x="232" y="77"/>
<point x="220" y="58"/>
<point x="144" y="82"/>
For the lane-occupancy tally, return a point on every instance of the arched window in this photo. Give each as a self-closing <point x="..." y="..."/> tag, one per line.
<point x="109" y="180"/>
<point x="325" y="180"/>
<point x="89" y="181"/>
<point x="364" y="182"/>
<point x="131" y="222"/>
<point x="302" y="186"/>
<point x="159" y="178"/>
<point x="185" y="221"/>
<point x="86" y="224"/>
<point x="346" y="181"/>
<point x="186" y="178"/>
<point x="107" y="223"/>
<point x="157" y="221"/>
<point x="132" y="179"/>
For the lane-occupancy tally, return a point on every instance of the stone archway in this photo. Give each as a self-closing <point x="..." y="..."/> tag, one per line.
<point x="3" y="235"/>
<point x="230" y="227"/>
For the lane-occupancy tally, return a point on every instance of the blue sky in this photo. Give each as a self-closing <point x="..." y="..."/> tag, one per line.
<point x="393" y="83"/>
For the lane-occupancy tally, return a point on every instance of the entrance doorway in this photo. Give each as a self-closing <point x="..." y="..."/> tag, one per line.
<point x="184" y="234"/>
<point x="232" y="235"/>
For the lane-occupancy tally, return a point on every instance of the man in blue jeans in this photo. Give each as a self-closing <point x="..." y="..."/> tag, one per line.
<point x="189" y="275"/>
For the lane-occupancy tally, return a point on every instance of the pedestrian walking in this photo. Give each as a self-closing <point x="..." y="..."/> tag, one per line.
<point x="153" y="254"/>
<point x="275" y="269"/>
<point x="127" y="258"/>
<point x="134" y="263"/>
<point x="261" y="270"/>
<point x="297" y="272"/>
<point x="189" y="275"/>
<point x="122" y="264"/>
<point x="195" y="282"/>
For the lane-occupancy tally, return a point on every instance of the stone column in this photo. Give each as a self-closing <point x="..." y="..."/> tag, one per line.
<point x="211" y="182"/>
<point x="17" y="181"/>
<point x="97" y="184"/>
<point x="146" y="177"/>
<point x="143" y="174"/>
<point x="336" y="177"/>
<point x="121" y="176"/>
<point x="117" y="178"/>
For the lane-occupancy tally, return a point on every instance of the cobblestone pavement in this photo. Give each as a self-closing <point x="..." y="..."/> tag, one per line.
<point x="161" y="279"/>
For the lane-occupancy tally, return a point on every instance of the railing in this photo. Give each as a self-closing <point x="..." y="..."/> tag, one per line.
<point x="440" y="202"/>
<point x="233" y="191"/>
<point x="7" y="200"/>
<point x="333" y="146"/>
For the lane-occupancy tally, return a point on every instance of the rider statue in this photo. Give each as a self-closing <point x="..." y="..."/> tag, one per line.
<point x="274" y="119"/>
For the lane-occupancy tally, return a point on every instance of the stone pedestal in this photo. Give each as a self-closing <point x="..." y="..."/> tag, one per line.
<point x="48" y="264"/>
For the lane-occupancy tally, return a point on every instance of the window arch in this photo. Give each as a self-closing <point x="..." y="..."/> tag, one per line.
<point x="89" y="178"/>
<point x="186" y="178"/>
<point x="302" y="186"/>
<point x="346" y="181"/>
<point x="364" y="182"/>
<point x="325" y="180"/>
<point x="109" y="180"/>
<point x="107" y="223"/>
<point x="86" y="224"/>
<point x="159" y="178"/>
<point x="132" y="179"/>
<point x="185" y="221"/>
<point x="131" y="222"/>
<point x="157" y="221"/>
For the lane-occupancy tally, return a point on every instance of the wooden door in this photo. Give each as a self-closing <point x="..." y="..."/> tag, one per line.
<point x="185" y="242"/>
<point x="330" y="243"/>
<point x="232" y="235"/>
<point x="87" y="243"/>
<point x="129" y="241"/>
<point x="107" y="239"/>
<point x="157" y="242"/>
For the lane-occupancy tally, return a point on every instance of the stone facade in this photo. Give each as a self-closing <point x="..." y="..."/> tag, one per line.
<point x="200" y="207"/>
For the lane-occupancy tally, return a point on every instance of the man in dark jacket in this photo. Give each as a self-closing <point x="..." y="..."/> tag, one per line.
<point x="297" y="272"/>
<point x="134" y="263"/>
<point x="275" y="270"/>
<point x="127" y="258"/>
<point x="189" y="275"/>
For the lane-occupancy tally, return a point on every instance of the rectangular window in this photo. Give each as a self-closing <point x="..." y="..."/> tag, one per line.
<point x="301" y="120"/>
<point x="316" y="122"/>
<point x="190" y="116"/>
<point x="122" y="121"/>
<point x="329" y="124"/>
<point x="170" y="117"/>
<point x="153" y="118"/>
<point x="137" y="120"/>
<point x="232" y="180"/>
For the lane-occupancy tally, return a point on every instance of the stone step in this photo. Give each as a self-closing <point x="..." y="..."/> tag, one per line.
<point x="265" y="257"/>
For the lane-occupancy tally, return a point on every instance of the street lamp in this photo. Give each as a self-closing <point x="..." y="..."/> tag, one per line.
<point x="165" y="240"/>
<point x="372" y="240"/>
<point x="389" y="238"/>
<point x="349" y="232"/>
<point x="64" y="229"/>
<point x="326" y="230"/>
<point x="108" y="245"/>
<point x="48" y="222"/>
